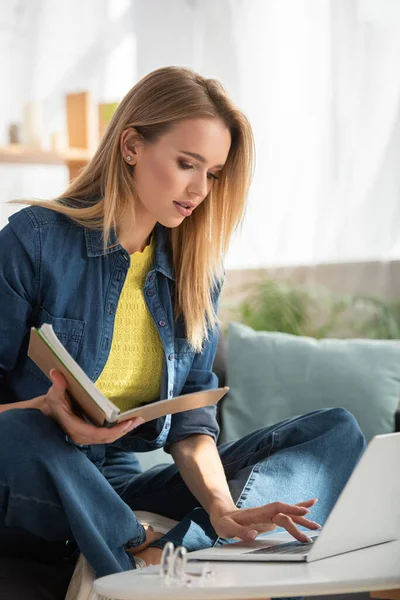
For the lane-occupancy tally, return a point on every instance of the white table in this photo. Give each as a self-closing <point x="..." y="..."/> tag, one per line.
<point x="370" y="569"/>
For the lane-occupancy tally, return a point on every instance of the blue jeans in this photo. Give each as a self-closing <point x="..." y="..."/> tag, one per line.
<point x="51" y="490"/>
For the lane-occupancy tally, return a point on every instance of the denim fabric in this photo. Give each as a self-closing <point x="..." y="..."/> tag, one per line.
<point x="57" y="492"/>
<point x="55" y="271"/>
<point x="303" y="457"/>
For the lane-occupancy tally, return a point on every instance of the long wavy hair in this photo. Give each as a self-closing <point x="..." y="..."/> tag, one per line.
<point x="198" y="246"/>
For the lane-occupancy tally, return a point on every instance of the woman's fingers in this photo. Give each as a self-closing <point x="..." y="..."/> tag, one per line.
<point x="244" y="533"/>
<point x="278" y="514"/>
<point x="306" y="523"/>
<point x="264" y="514"/>
<point x="245" y="524"/>
<point x="265" y="527"/>
<point x="80" y="431"/>
<point x="307" y="503"/>
<point x="232" y="529"/>
<point x="58" y="380"/>
<point x="285" y="521"/>
<point x="291" y="509"/>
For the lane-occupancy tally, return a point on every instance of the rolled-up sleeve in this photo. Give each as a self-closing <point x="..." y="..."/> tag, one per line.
<point x="201" y="377"/>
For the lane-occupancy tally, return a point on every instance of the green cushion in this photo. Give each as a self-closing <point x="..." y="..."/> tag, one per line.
<point x="273" y="376"/>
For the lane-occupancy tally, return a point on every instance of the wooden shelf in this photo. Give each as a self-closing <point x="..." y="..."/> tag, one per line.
<point x="29" y="155"/>
<point x="83" y="138"/>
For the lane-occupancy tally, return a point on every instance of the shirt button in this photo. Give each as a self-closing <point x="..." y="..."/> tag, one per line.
<point x="171" y="357"/>
<point x="161" y="323"/>
<point x="150" y="292"/>
<point x="170" y="393"/>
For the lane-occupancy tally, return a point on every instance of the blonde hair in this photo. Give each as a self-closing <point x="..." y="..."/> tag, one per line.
<point x="157" y="102"/>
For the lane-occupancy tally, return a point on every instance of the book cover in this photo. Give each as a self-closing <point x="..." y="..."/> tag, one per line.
<point x="46" y="350"/>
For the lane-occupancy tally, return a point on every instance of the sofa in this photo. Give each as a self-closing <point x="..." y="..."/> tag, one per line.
<point x="28" y="579"/>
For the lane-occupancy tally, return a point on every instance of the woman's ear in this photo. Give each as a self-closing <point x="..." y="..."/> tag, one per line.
<point x="131" y="141"/>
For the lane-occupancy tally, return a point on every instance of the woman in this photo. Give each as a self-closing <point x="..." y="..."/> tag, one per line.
<point x="127" y="267"/>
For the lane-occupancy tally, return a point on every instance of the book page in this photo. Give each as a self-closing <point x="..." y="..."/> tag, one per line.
<point x="171" y="406"/>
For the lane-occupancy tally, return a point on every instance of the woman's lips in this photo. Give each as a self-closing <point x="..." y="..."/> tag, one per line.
<point x="186" y="212"/>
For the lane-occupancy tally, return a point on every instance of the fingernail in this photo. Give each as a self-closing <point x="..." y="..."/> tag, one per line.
<point x="253" y="534"/>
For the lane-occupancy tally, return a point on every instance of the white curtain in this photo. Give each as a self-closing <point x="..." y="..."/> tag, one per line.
<point x="320" y="82"/>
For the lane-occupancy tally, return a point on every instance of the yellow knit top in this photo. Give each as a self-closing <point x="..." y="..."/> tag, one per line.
<point x="132" y="373"/>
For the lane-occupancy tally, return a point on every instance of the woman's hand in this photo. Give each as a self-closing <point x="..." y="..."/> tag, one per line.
<point x="57" y="405"/>
<point x="247" y="523"/>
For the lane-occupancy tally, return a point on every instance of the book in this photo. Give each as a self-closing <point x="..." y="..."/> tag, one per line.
<point x="46" y="350"/>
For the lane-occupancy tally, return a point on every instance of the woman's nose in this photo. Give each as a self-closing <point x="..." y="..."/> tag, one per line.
<point x="200" y="186"/>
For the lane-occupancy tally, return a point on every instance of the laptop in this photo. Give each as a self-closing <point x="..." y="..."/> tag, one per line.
<point x="366" y="513"/>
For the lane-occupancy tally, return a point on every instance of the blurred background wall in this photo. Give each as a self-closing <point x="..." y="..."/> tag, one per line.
<point x="318" y="79"/>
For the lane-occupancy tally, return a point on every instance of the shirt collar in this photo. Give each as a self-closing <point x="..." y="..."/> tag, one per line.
<point x="162" y="257"/>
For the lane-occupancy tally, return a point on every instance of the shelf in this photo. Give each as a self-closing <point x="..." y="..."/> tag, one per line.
<point x="29" y="155"/>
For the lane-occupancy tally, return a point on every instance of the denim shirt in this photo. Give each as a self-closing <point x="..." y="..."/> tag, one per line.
<point x="55" y="271"/>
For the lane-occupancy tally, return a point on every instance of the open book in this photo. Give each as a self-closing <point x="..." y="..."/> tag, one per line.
<point x="46" y="350"/>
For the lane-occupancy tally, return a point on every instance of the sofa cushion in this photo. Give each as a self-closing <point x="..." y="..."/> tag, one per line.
<point x="273" y="376"/>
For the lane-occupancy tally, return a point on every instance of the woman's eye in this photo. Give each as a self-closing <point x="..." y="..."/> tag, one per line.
<point x="185" y="165"/>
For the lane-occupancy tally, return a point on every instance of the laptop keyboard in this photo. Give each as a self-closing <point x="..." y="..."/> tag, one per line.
<point x="294" y="547"/>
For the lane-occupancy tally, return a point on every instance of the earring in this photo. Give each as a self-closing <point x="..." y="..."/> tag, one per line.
<point x="129" y="157"/>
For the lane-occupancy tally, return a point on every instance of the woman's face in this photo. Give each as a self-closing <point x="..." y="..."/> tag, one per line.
<point x="179" y="168"/>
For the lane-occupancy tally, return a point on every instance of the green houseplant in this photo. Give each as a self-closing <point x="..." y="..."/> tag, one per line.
<point x="270" y="305"/>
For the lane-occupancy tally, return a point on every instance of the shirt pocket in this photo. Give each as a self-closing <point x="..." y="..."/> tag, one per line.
<point x="70" y="333"/>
